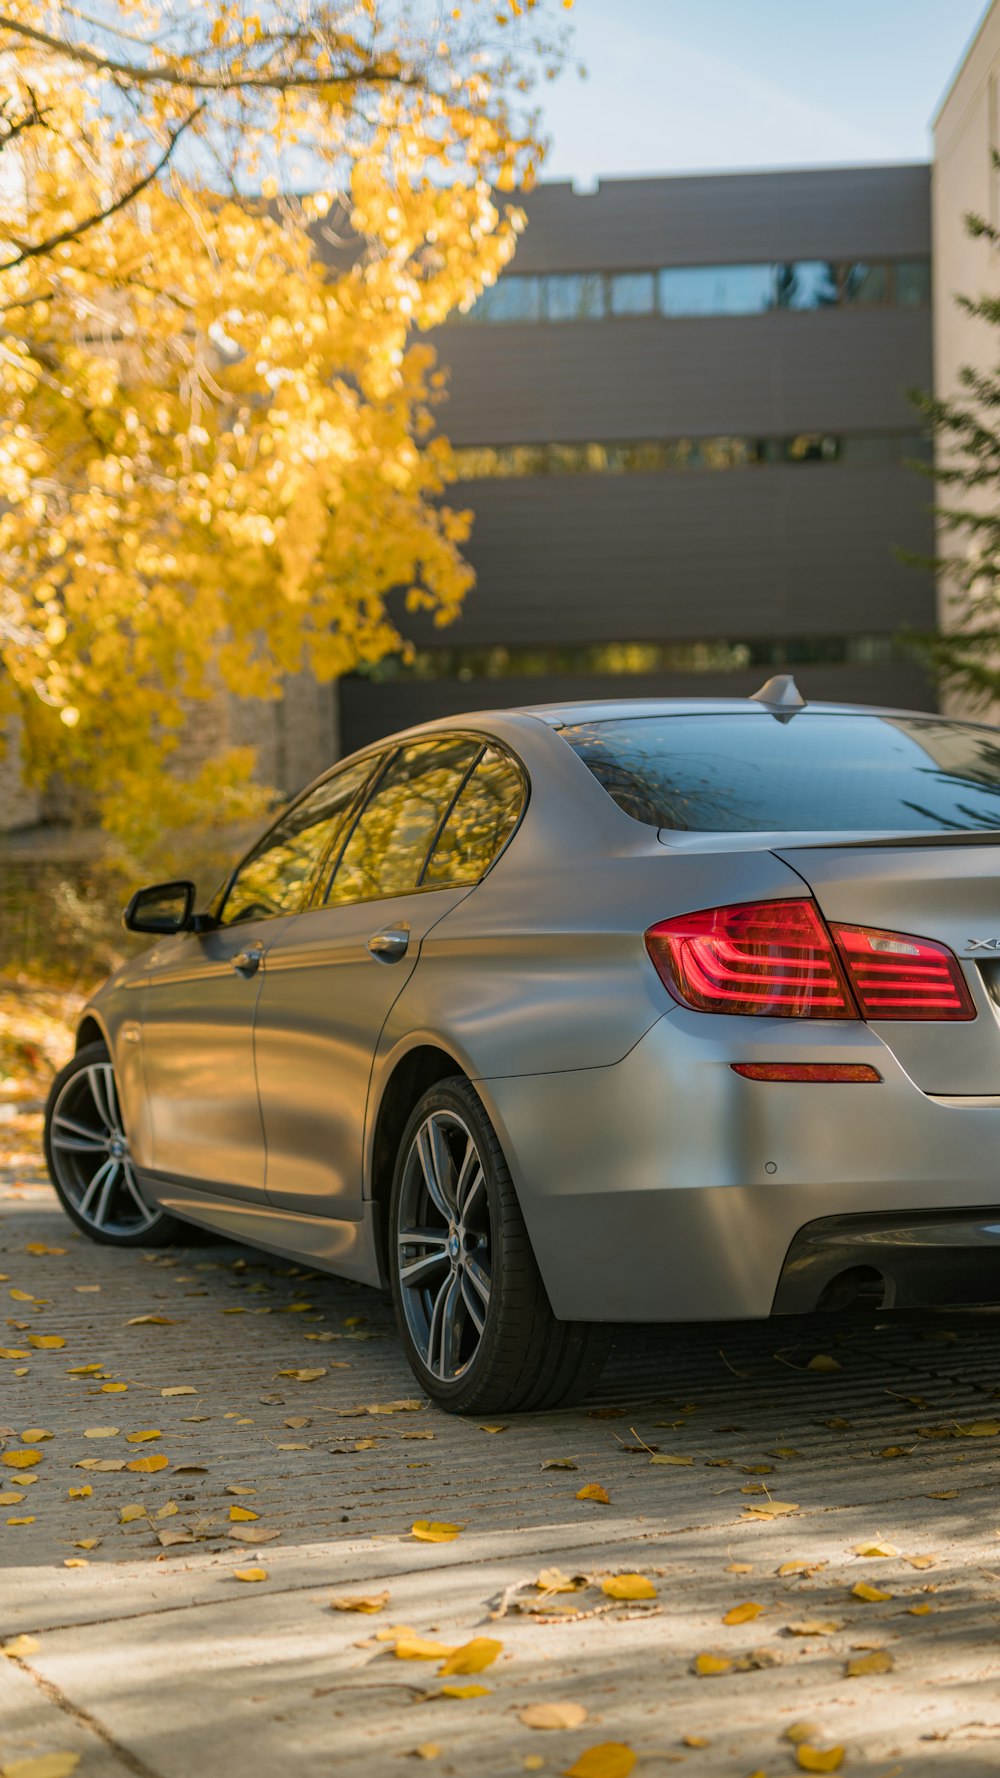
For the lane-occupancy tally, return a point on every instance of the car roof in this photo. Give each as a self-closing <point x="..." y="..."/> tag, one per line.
<point x="607" y="710"/>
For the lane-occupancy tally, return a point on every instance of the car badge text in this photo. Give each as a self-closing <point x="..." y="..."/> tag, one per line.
<point x="983" y="944"/>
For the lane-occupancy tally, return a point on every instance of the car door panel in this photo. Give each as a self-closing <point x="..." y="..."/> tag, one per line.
<point x="324" y="1000"/>
<point x="197" y="1020"/>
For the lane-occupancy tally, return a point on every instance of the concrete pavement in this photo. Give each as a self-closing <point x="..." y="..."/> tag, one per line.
<point x="151" y="1658"/>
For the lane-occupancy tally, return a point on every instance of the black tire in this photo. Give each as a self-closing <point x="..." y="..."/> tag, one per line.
<point x="523" y="1358"/>
<point x="73" y="1102"/>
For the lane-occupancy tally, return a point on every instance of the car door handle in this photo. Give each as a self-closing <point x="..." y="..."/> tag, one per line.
<point x="248" y="962"/>
<point x="390" y="944"/>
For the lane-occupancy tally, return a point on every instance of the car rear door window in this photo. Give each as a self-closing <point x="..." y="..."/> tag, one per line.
<point x="277" y="876"/>
<point x="483" y="817"/>
<point x="390" y="840"/>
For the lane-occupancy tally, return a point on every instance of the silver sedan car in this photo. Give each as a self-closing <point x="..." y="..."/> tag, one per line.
<point x="561" y="1017"/>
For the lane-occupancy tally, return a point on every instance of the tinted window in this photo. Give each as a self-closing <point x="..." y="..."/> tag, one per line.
<point x="756" y="774"/>
<point x="484" y="815"/>
<point x="515" y="298"/>
<point x="276" y="877"/>
<point x="574" y="296"/>
<point x="391" y="838"/>
<point x="633" y="293"/>
<point x="913" y="282"/>
<point x="717" y="290"/>
<point x="808" y="284"/>
<point x="866" y="284"/>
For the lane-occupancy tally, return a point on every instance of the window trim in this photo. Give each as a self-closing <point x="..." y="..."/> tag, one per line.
<point x="420" y="887"/>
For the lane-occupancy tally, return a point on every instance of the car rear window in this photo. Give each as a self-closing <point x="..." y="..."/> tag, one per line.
<point x="750" y="773"/>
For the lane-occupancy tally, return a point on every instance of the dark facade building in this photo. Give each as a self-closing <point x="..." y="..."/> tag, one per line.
<point x="683" y="419"/>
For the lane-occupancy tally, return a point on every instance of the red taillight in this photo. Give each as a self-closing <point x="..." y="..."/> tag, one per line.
<point x="849" y="1073"/>
<point x="770" y="957"/>
<point x="895" y="976"/>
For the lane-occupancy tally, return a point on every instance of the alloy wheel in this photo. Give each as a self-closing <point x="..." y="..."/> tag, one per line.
<point x="90" y="1153"/>
<point x="443" y="1245"/>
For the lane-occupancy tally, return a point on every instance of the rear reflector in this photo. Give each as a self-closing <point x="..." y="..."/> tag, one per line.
<point x="854" y="1073"/>
<point x="770" y="957"/>
<point x="895" y="976"/>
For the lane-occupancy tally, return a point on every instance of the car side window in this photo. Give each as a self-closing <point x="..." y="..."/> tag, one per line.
<point x="277" y="875"/>
<point x="392" y="836"/>
<point x="483" y="817"/>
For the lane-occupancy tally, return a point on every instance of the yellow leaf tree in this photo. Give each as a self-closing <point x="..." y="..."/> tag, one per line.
<point x="220" y="232"/>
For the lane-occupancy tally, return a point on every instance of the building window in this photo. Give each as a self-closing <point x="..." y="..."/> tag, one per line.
<point x="574" y="296"/>
<point x="632" y="293"/>
<point x="691" y="290"/>
<point x="631" y="659"/>
<point x="716" y="290"/>
<point x="652" y="456"/>
<point x="913" y="283"/>
<point x="865" y="284"/>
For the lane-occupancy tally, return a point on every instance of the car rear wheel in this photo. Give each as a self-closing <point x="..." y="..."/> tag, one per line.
<point x="87" y="1153"/>
<point x="471" y="1307"/>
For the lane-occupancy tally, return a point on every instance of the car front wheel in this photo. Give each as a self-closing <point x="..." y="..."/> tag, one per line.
<point x="87" y="1154"/>
<point x="471" y="1307"/>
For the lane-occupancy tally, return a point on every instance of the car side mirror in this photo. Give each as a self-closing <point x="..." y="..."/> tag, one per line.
<point x="162" y="908"/>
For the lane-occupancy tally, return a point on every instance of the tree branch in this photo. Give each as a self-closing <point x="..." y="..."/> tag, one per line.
<point x="371" y="73"/>
<point x="73" y="233"/>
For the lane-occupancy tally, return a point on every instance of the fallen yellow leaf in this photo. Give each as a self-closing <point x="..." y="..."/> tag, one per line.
<point x="979" y="1429"/>
<point x="878" y="1661"/>
<point x="250" y="1574"/>
<point x="799" y="1568"/>
<point x="242" y="1513"/>
<point x="75" y="1562"/>
<point x="434" y="1531"/>
<point x="253" y="1534"/>
<point x="919" y="1610"/>
<point x="823" y="1362"/>
<point x="695" y="1741"/>
<point x="927" y="1561"/>
<point x="560" y="1463"/>
<point x="667" y="1459"/>
<point x="12" y="1352"/>
<point x="146" y="1465"/>
<point x="87" y="1543"/>
<point x="238" y="1488"/>
<point x="816" y="1759"/>
<point x="40" y="1247"/>
<point x="46" y="1765"/>
<point x="875" y="1549"/>
<point x="552" y="1716"/>
<point x="628" y="1586"/>
<point x="463" y="1691"/>
<point x="743" y="1614"/>
<point x="46" y="1342"/>
<point x="707" y="1666"/>
<point x="113" y="1388"/>
<point x="180" y="1389"/>
<point x="553" y="1580"/>
<point x="28" y="1521"/>
<point x="36" y="1435"/>
<point x="21" y="1459"/>
<point x="142" y="1438"/>
<point x="150" y="1321"/>
<point x="817" y="1626"/>
<point x="594" y="1491"/>
<point x="472" y="1657"/>
<point x="873" y="1595"/>
<point x="773" y="1509"/>
<point x="419" y="1648"/>
<point x="366" y="1602"/>
<point x="493" y="1429"/>
<point x="609" y="1759"/>
<point x="20" y="1646"/>
<point x="102" y="1432"/>
<point x="798" y="1732"/>
<point x="129" y="1514"/>
<point x="304" y="1376"/>
<point x="13" y="1499"/>
<point x="106" y="1464"/>
<point x="427" y="1750"/>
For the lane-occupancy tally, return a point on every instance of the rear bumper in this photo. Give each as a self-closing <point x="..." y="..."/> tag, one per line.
<point x="668" y="1188"/>
<point x="901" y="1262"/>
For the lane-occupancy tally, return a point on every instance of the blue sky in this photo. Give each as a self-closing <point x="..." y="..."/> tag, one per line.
<point x="697" y="85"/>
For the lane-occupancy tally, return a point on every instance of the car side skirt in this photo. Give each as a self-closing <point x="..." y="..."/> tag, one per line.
<point x="347" y="1249"/>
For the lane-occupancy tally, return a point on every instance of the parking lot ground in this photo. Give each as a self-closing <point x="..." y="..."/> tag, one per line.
<point x="806" y="1458"/>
